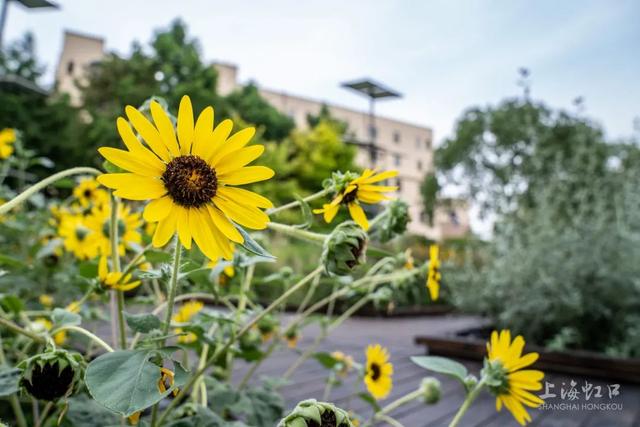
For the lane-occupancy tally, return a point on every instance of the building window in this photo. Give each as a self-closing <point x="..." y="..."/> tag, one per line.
<point x="372" y="131"/>
<point x="427" y="143"/>
<point x="419" y="165"/>
<point x="396" y="137"/>
<point x="418" y="143"/>
<point x="399" y="184"/>
<point x="70" y="67"/>
<point x="453" y="217"/>
<point x="396" y="160"/>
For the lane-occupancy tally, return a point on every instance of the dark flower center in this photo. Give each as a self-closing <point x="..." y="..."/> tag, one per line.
<point x="190" y="181"/>
<point x="88" y="193"/>
<point x="48" y="383"/>
<point x="350" y="197"/>
<point x="375" y="371"/>
<point x="106" y="227"/>
<point x="328" y="419"/>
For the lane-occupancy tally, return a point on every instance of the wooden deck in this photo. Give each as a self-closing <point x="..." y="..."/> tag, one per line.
<point x="397" y="335"/>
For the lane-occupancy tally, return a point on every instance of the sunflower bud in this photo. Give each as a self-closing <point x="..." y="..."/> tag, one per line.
<point x="496" y="377"/>
<point x="52" y="375"/>
<point x="344" y="249"/>
<point x="394" y="222"/>
<point x="311" y="413"/>
<point x="431" y="390"/>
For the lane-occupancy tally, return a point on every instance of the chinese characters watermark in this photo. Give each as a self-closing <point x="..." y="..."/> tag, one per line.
<point x="585" y="396"/>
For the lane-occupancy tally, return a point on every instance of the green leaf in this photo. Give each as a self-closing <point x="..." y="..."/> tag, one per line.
<point x="155" y="256"/>
<point x="126" y="381"/>
<point x="370" y="400"/>
<point x="111" y="168"/>
<point x="252" y="246"/>
<point x="326" y="360"/>
<point x="88" y="269"/>
<point x="143" y="322"/>
<point x="9" y="378"/>
<point x="63" y="317"/>
<point x="11" y="303"/>
<point x="442" y="365"/>
<point x="11" y="261"/>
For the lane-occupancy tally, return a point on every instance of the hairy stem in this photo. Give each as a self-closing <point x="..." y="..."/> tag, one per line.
<point x="297" y="233"/>
<point x="297" y="203"/>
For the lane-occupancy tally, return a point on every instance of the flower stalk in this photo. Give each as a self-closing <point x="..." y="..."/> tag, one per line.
<point x="471" y="396"/>
<point x="296" y="203"/>
<point x="118" y="295"/>
<point x="298" y="233"/>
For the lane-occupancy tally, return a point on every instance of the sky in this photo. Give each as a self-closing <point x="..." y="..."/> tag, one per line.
<point x="443" y="56"/>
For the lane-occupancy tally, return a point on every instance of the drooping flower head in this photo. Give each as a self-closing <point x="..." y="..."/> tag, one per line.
<point x="508" y="381"/>
<point x="128" y="228"/>
<point x="189" y="172"/>
<point x="360" y="189"/>
<point x="378" y="372"/>
<point x="114" y="279"/>
<point x="433" y="275"/>
<point x="7" y="138"/>
<point x="184" y="314"/>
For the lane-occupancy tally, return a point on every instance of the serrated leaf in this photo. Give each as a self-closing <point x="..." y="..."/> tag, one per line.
<point x="127" y="382"/>
<point x="442" y="365"/>
<point x="143" y="322"/>
<point x="370" y="400"/>
<point x="9" y="379"/>
<point x="253" y="246"/>
<point x="63" y="317"/>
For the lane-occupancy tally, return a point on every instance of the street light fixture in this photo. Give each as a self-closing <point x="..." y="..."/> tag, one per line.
<point x="29" y="4"/>
<point x="373" y="91"/>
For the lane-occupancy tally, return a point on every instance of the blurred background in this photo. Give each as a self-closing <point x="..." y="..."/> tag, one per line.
<point x="514" y="126"/>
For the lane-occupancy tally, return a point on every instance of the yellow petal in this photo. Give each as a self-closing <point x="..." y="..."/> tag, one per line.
<point x="222" y="241"/>
<point x="202" y="134"/>
<point x="148" y="132"/>
<point x="165" y="229"/>
<point x="185" y="125"/>
<point x="128" y="286"/>
<point x="330" y="212"/>
<point x="378" y="188"/>
<point x="223" y="224"/>
<point x="132" y="186"/>
<point x="157" y="209"/>
<point x="184" y="231"/>
<point x="135" y="146"/>
<point x="245" y="216"/>
<point x="247" y="175"/>
<point x="234" y="161"/>
<point x="380" y="177"/>
<point x="234" y="143"/>
<point x="103" y="269"/>
<point x="130" y="162"/>
<point x="370" y="197"/>
<point x="244" y="197"/>
<point x="215" y="140"/>
<point x="356" y="212"/>
<point x="202" y="234"/>
<point x="165" y="128"/>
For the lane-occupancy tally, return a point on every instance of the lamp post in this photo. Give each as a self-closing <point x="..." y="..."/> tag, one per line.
<point x="373" y="91"/>
<point x="30" y="4"/>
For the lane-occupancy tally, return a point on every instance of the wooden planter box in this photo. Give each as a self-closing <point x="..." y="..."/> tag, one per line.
<point x="584" y="363"/>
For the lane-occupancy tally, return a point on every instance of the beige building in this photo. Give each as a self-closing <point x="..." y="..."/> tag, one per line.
<point x="399" y="145"/>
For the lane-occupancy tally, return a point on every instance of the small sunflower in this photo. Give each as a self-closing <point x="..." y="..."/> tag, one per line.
<point x="59" y="338"/>
<point x="7" y="138"/>
<point x="291" y="338"/>
<point x="113" y="279"/>
<point x="128" y="228"/>
<point x="433" y="274"/>
<point x="88" y="193"/>
<point x="344" y="363"/>
<point x="166" y="381"/>
<point x="190" y="173"/>
<point x="46" y="300"/>
<point x="360" y="189"/>
<point x="184" y="315"/>
<point x="378" y="372"/>
<point x="74" y="307"/>
<point x="77" y="237"/>
<point x="512" y="383"/>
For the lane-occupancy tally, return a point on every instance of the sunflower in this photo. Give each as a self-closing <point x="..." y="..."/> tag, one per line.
<point x="7" y="138"/>
<point x="344" y="363"/>
<point x="59" y="338"/>
<point x="77" y="237"/>
<point x="291" y="338"/>
<point x="46" y="300"/>
<point x="184" y="315"/>
<point x="189" y="173"/>
<point x="88" y="193"/>
<point x="433" y="275"/>
<point x="166" y="381"/>
<point x="128" y="228"/>
<point x="360" y="189"/>
<point x="114" y="279"/>
<point x="378" y="372"/>
<point x="505" y="362"/>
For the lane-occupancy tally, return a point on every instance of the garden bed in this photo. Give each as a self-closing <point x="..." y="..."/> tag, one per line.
<point x="468" y="345"/>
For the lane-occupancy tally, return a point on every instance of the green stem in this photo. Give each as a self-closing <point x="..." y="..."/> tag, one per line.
<point x="86" y="333"/>
<point x="22" y="197"/>
<point x="374" y="222"/>
<point x="136" y="260"/>
<point x="20" y="330"/>
<point x="242" y="305"/>
<point x="403" y="400"/>
<point x="115" y="260"/>
<point x="173" y="287"/>
<point x="297" y="232"/>
<point x="310" y="292"/>
<point x="297" y="202"/>
<point x="467" y="402"/>
<point x="245" y="329"/>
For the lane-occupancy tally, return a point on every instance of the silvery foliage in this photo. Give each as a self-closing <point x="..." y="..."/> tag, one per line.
<point x="566" y="272"/>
